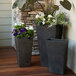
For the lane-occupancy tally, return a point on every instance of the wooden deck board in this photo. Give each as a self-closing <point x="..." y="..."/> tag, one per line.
<point x="9" y="66"/>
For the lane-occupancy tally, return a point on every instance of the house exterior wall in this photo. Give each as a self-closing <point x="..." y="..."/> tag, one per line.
<point x="72" y="39"/>
<point x="5" y="22"/>
<point x="71" y="63"/>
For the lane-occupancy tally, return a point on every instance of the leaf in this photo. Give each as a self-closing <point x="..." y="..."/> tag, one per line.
<point x="15" y="4"/>
<point x="66" y="4"/>
<point x="31" y="1"/>
<point x="56" y="7"/>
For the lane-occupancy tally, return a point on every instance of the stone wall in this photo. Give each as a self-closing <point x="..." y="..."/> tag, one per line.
<point x="28" y="16"/>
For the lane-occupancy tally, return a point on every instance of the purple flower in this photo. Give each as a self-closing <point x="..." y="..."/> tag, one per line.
<point x="29" y="37"/>
<point x="14" y="30"/>
<point x="15" y="34"/>
<point x="22" y="30"/>
<point x="49" y="9"/>
<point x="20" y="33"/>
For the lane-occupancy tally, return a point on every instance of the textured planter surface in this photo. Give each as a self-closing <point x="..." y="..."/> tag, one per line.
<point x="23" y="51"/>
<point x="57" y="55"/>
<point x="44" y="33"/>
<point x="59" y="31"/>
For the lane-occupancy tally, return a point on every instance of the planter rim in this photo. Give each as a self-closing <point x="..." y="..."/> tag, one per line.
<point x="55" y="39"/>
<point x="44" y="25"/>
<point x="23" y="38"/>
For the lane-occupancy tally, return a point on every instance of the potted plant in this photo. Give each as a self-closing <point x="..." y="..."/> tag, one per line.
<point x="44" y="31"/>
<point x="46" y="28"/>
<point x="57" y="48"/>
<point x="47" y="19"/>
<point x="24" y="41"/>
<point x="62" y="21"/>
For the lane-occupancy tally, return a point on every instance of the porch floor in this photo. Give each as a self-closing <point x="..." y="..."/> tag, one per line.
<point x="9" y="66"/>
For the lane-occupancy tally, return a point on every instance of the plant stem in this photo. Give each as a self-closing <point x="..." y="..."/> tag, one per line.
<point x="41" y="6"/>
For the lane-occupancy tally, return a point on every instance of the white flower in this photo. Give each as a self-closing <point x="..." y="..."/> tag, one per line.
<point x="50" y="16"/>
<point x="41" y="14"/>
<point x="44" y="19"/>
<point x="54" y="20"/>
<point x="37" y="16"/>
<point x="27" y="28"/>
<point x="43" y="22"/>
<point x="31" y="27"/>
<point x="15" y="24"/>
<point x="22" y="23"/>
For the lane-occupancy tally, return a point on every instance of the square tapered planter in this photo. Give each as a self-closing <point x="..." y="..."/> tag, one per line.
<point x="43" y="33"/>
<point x="57" y="55"/>
<point x="23" y="51"/>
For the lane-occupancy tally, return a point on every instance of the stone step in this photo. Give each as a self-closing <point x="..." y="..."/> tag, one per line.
<point x="35" y="42"/>
<point x="36" y="48"/>
<point x="35" y="45"/>
<point x="42" y="2"/>
<point x="33" y="12"/>
<point x="30" y="18"/>
<point x="29" y="23"/>
<point x="35" y="52"/>
<point x="35" y="38"/>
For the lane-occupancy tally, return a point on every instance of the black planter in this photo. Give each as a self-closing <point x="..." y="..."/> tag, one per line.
<point x="43" y="33"/>
<point x="57" y="55"/>
<point x="59" y="31"/>
<point x="23" y="51"/>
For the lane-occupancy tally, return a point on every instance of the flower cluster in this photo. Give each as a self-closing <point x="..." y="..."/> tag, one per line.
<point x="48" y="13"/>
<point x="42" y="19"/>
<point x="21" y="31"/>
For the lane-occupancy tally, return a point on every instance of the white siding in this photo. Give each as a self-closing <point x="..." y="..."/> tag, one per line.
<point x="5" y="1"/>
<point x="6" y="42"/>
<point x="6" y="35"/>
<point x="5" y="6"/>
<point x="5" y="22"/>
<point x="5" y="13"/>
<point x="5" y="28"/>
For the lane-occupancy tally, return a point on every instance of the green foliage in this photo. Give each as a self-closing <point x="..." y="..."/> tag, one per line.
<point x="20" y="31"/>
<point x="42" y="19"/>
<point x="30" y="4"/>
<point x="27" y="4"/>
<point x="56" y="7"/>
<point x="38" y="21"/>
<point x="61" y="18"/>
<point x="19" y="26"/>
<point x="15" y="4"/>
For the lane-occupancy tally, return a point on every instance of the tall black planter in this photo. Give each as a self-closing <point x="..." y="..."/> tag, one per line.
<point x="59" y="31"/>
<point x="57" y="55"/>
<point x="23" y="51"/>
<point x="43" y="33"/>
